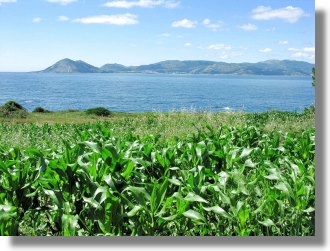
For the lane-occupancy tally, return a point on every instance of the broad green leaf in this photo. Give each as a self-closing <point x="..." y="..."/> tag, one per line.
<point x="191" y="197"/>
<point x="285" y="188"/>
<point x="58" y="201"/>
<point x="223" y="177"/>
<point x="170" y="218"/>
<point x="93" y="145"/>
<point x="134" y="211"/>
<point x="224" y="198"/>
<point x="109" y="180"/>
<point x="69" y="224"/>
<point x="113" y="151"/>
<point x="249" y="163"/>
<point x="272" y="177"/>
<point x="7" y="212"/>
<point x="246" y="152"/>
<point x="30" y="195"/>
<point x="191" y="214"/>
<point x="239" y="205"/>
<point x="80" y="160"/>
<point x="128" y="169"/>
<point x="267" y="223"/>
<point x="274" y="174"/>
<point x="295" y="169"/>
<point x="139" y="193"/>
<point x="243" y="215"/>
<point x="175" y="181"/>
<point x="91" y="202"/>
<point x="217" y="210"/>
<point x="104" y="193"/>
<point x="161" y="192"/>
<point x="198" y="152"/>
<point x="281" y="186"/>
<point x="309" y="210"/>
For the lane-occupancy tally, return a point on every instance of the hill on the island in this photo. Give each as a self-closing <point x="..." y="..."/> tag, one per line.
<point x="70" y="66"/>
<point x="270" y="67"/>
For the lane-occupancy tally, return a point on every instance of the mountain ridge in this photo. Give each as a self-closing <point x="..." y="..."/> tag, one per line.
<point x="268" y="67"/>
<point x="69" y="66"/>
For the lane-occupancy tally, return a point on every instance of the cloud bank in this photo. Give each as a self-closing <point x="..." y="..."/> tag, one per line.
<point x="170" y="4"/>
<point x="184" y="23"/>
<point x="120" y="19"/>
<point x="290" y="14"/>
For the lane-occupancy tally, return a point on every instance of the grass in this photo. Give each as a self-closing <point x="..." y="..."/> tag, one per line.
<point x="158" y="174"/>
<point x="162" y="125"/>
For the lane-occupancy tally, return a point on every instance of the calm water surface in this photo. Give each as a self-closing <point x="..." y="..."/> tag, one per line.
<point x="147" y="92"/>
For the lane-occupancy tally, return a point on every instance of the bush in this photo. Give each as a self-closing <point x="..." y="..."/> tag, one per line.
<point x="40" y="110"/>
<point x="72" y="110"/>
<point x="12" y="106"/>
<point x="13" y="109"/>
<point x="310" y="110"/>
<point x="99" y="111"/>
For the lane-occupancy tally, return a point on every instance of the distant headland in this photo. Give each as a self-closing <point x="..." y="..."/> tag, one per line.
<point x="269" y="67"/>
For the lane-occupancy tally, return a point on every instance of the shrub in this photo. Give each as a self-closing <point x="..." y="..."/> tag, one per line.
<point x="310" y="110"/>
<point x="13" y="109"/>
<point x="40" y="110"/>
<point x="99" y="111"/>
<point x="12" y="106"/>
<point x="72" y="110"/>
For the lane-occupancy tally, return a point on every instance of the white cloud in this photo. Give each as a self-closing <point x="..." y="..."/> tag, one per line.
<point x="219" y="47"/>
<point x="293" y="49"/>
<point x="301" y="55"/>
<point x="7" y="1"/>
<point x="261" y="9"/>
<point x="63" y="19"/>
<point x="283" y="42"/>
<point x="309" y="49"/>
<point x="206" y="21"/>
<point x="184" y="23"/>
<point x="224" y="56"/>
<point x="120" y="19"/>
<point x="248" y="27"/>
<point x="227" y="54"/>
<point x="266" y="50"/>
<point x="124" y="4"/>
<point x="290" y="14"/>
<point x="62" y="2"/>
<point x="37" y="20"/>
<point x="188" y="44"/>
<point x="213" y="26"/>
<point x="304" y="53"/>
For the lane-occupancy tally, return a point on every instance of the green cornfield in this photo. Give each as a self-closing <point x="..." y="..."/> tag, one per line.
<point x="225" y="181"/>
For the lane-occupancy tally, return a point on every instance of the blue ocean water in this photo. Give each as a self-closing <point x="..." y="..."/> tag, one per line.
<point x="157" y="92"/>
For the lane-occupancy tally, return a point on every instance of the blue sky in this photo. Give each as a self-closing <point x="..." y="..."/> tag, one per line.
<point x="36" y="33"/>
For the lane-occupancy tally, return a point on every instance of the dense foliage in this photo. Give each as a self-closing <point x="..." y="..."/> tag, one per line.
<point x="99" y="111"/>
<point x="40" y="109"/>
<point x="13" y="109"/>
<point x="226" y="181"/>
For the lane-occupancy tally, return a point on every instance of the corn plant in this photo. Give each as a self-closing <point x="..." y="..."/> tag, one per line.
<point x="230" y="181"/>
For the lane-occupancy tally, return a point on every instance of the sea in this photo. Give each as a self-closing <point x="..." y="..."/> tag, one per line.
<point x="130" y="92"/>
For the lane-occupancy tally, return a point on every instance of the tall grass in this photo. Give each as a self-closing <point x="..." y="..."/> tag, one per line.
<point x="52" y="127"/>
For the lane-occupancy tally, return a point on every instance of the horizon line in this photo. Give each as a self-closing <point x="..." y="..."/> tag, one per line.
<point x="178" y="60"/>
<point x="188" y="60"/>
